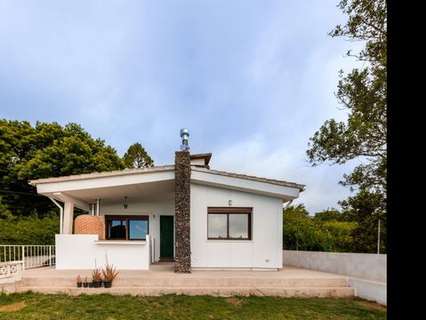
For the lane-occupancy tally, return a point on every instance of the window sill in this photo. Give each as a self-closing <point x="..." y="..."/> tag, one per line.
<point x="230" y="240"/>
<point x="121" y="242"/>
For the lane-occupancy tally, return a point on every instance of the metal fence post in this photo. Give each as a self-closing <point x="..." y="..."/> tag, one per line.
<point x="23" y="257"/>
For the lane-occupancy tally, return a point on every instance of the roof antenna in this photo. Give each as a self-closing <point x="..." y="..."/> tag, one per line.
<point x="184" y="134"/>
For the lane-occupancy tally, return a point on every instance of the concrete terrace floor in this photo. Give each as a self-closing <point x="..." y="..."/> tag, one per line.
<point x="161" y="279"/>
<point x="166" y="270"/>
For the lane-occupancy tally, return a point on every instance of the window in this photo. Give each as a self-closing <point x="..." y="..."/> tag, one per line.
<point x="127" y="227"/>
<point x="231" y="223"/>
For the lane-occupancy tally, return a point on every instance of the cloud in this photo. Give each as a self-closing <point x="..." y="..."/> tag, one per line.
<point x="251" y="80"/>
<point x="253" y="157"/>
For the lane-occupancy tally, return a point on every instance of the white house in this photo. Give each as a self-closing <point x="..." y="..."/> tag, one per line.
<point x="186" y="212"/>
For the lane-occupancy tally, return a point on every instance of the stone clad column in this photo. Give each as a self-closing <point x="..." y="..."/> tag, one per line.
<point x="182" y="211"/>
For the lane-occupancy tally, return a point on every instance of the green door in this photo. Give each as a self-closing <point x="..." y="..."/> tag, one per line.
<point x="166" y="237"/>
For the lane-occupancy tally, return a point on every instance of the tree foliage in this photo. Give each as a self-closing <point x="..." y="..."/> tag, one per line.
<point x="329" y="214"/>
<point x="137" y="157"/>
<point x="45" y="150"/>
<point x="362" y="92"/>
<point x="29" y="230"/>
<point x="304" y="232"/>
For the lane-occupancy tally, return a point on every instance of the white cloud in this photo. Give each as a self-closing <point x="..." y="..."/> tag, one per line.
<point x="253" y="157"/>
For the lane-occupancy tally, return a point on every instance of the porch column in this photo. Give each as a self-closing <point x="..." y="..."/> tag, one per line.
<point x="182" y="211"/>
<point x="68" y="217"/>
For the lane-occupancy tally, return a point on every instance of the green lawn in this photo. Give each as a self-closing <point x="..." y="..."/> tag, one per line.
<point x="107" y="307"/>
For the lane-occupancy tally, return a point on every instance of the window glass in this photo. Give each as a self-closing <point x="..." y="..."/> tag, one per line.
<point x="238" y="226"/>
<point x="118" y="229"/>
<point x="138" y="229"/>
<point x="217" y="226"/>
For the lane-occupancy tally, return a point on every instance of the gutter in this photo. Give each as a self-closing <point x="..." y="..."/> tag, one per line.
<point x="61" y="213"/>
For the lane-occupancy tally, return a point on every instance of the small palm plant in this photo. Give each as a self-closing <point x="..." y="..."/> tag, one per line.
<point x="109" y="274"/>
<point x="79" y="281"/>
<point x="97" y="278"/>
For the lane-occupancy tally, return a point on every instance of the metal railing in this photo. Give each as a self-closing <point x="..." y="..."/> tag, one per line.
<point x="31" y="256"/>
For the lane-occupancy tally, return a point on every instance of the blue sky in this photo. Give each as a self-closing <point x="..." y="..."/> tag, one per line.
<point x="252" y="80"/>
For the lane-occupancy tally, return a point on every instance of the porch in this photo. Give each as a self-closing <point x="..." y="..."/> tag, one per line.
<point x="161" y="279"/>
<point x="127" y="220"/>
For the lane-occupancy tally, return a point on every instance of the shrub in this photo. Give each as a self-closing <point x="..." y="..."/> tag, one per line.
<point x="29" y="230"/>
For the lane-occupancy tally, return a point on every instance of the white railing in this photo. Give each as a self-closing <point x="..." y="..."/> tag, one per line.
<point x="31" y="256"/>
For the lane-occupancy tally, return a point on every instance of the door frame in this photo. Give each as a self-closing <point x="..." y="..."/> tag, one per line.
<point x="174" y="237"/>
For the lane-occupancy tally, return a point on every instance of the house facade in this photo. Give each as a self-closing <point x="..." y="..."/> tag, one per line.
<point x="188" y="213"/>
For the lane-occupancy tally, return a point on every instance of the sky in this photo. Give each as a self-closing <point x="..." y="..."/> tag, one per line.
<point x="251" y="80"/>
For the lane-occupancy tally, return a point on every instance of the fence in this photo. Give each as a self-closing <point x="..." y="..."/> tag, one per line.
<point x="31" y="256"/>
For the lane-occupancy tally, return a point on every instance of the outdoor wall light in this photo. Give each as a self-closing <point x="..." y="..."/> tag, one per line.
<point x="125" y="205"/>
<point x="229" y="202"/>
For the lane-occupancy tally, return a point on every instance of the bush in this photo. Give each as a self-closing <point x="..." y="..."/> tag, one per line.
<point x="304" y="232"/>
<point x="29" y="230"/>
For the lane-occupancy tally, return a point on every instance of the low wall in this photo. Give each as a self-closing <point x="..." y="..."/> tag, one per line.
<point x="366" y="271"/>
<point x="77" y="251"/>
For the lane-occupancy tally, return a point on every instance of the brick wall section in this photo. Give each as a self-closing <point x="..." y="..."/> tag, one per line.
<point x="182" y="211"/>
<point x="87" y="224"/>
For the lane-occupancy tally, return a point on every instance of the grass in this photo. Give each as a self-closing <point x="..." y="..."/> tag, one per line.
<point x="107" y="307"/>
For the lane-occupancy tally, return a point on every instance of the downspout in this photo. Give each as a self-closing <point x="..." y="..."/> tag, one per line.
<point x="61" y="214"/>
<point x="288" y="204"/>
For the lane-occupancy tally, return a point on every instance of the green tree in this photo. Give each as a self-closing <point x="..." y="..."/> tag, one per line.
<point x="299" y="230"/>
<point x="365" y="209"/>
<point x="304" y="232"/>
<point x="363" y="135"/>
<point x="329" y="214"/>
<point x="341" y="235"/>
<point x="137" y="157"/>
<point x="4" y="211"/>
<point x="29" y="230"/>
<point x="45" y="150"/>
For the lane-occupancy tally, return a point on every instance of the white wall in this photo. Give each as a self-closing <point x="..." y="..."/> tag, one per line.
<point x="265" y="248"/>
<point x="154" y="209"/>
<point x="367" y="271"/>
<point x="77" y="251"/>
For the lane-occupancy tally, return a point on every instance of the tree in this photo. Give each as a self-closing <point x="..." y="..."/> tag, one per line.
<point x="4" y="211"/>
<point x="304" y="232"/>
<point x="362" y="136"/>
<point x="299" y="231"/>
<point x="137" y="157"/>
<point x="29" y="230"/>
<point x="45" y="150"/>
<point x="366" y="209"/>
<point x="329" y="214"/>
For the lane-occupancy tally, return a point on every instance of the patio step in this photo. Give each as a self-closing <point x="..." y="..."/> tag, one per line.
<point x="183" y="282"/>
<point x="217" y="291"/>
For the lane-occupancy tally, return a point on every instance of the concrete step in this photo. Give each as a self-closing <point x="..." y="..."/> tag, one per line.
<point x="337" y="292"/>
<point x="182" y="282"/>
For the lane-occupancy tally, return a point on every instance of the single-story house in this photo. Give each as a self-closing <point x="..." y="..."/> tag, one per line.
<point x="188" y="213"/>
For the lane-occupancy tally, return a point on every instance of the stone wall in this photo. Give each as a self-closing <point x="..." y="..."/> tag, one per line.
<point x="182" y="211"/>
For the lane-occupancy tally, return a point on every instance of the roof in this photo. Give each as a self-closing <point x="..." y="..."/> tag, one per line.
<point x="283" y="183"/>
<point x="124" y="172"/>
<point x="94" y="175"/>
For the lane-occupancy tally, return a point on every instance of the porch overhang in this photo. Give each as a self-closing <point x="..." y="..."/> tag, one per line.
<point x="84" y="189"/>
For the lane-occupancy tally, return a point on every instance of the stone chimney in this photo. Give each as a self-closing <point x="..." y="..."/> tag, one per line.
<point x="182" y="211"/>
